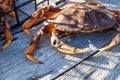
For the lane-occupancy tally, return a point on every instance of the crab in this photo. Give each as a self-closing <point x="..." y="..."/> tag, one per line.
<point x="78" y="18"/>
<point x="5" y="6"/>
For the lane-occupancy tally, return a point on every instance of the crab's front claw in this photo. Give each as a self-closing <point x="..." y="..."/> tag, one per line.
<point x="65" y="48"/>
<point x="32" y="47"/>
<point x="7" y="33"/>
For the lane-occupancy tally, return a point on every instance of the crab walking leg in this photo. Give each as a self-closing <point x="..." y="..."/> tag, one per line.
<point x="7" y="2"/>
<point x="116" y="39"/>
<point x="32" y="47"/>
<point x="32" y="20"/>
<point x="28" y="24"/>
<point x="47" y="12"/>
<point x="35" y="42"/>
<point x="65" y="48"/>
<point x="7" y="33"/>
<point x="5" y="8"/>
<point x="113" y="42"/>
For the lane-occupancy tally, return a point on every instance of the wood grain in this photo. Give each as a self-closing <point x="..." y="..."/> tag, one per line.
<point x="14" y="65"/>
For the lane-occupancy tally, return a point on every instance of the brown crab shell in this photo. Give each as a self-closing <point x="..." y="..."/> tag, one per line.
<point x="84" y="18"/>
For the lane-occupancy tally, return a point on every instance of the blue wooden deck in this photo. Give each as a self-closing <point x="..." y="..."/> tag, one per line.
<point x="103" y="65"/>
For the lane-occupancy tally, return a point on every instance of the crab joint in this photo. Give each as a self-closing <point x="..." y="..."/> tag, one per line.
<point x="65" y="48"/>
<point x="28" y="24"/>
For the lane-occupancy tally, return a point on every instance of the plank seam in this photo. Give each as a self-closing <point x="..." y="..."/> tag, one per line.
<point x="75" y="65"/>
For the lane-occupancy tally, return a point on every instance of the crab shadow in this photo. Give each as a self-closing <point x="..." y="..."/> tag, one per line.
<point x="93" y="40"/>
<point x="96" y="62"/>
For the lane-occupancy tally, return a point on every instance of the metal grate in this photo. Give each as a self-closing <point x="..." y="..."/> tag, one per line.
<point x="16" y="27"/>
<point x="16" y="9"/>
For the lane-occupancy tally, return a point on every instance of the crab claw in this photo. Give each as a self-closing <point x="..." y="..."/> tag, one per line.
<point x="65" y="48"/>
<point x="32" y="47"/>
<point x="7" y="33"/>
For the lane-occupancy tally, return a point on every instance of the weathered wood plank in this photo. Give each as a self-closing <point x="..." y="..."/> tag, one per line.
<point x="102" y="66"/>
<point x="14" y="66"/>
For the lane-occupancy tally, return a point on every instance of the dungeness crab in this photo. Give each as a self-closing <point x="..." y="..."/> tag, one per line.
<point x="78" y="18"/>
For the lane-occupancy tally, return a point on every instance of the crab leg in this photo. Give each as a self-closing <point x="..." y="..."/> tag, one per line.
<point x="35" y="42"/>
<point x="113" y="42"/>
<point x="33" y="46"/>
<point x="7" y="33"/>
<point x="61" y="46"/>
<point x="5" y="8"/>
<point x="65" y="48"/>
<point x="47" y="12"/>
<point x="7" y="2"/>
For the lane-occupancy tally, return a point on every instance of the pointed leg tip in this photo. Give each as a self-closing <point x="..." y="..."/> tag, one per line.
<point x="40" y="62"/>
